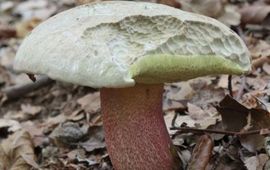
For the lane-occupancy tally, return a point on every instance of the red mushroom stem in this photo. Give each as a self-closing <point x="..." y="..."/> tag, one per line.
<point x="135" y="131"/>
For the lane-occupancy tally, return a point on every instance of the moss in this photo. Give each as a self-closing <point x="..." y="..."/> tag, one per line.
<point x="170" y="68"/>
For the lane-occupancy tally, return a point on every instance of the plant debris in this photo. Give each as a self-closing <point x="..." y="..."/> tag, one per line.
<point x="47" y="124"/>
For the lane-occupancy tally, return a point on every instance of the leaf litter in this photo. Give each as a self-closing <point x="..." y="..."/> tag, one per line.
<point x="58" y="122"/>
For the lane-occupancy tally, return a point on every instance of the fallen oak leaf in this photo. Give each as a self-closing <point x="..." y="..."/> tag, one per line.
<point x="17" y="152"/>
<point x="233" y="114"/>
<point x="256" y="162"/>
<point x="90" y="103"/>
<point x="96" y="140"/>
<point x="201" y="153"/>
<point x="236" y="117"/>
<point x="255" y="14"/>
<point x="31" y="110"/>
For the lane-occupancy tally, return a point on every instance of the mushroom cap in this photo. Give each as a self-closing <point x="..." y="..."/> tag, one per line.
<point x="120" y="43"/>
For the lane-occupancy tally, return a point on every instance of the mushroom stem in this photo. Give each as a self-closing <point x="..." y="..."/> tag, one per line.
<point x="135" y="131"/>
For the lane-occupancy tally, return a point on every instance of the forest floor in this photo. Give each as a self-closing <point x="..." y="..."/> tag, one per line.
<point x="59" y="126"/>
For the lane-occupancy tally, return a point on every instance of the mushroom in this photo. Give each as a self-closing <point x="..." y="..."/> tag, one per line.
<point x="128" y="50"/>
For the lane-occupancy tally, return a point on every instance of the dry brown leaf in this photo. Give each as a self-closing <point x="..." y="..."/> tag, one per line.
<point x="36" y="132"/>
<point x="6" y="6"/>
<point x="266" y="68"/>
<point x="256" y="162"/>
<point x="169" y="105"/>
<point x="211" y="8"/>
<point x="29" y="109"/>
<point x="199" y="122"/>
<point x="259" y="48"/>
<point x="23" y="28"/>
<point x="255" y="14"/>
<point x="90" y="103"/>
<point x="76" y="115"/>
<point x="195" y="112"/>
<point x="218" y="9"/>
<point x="80" y="2"/>
<point x="179" y="91"/>
<point x="40" y="9"/>
<point x="230" y="16"/>
<point x="72" y="155"/>
<point x="17" y="152"/>
<point x="201" y="153"/>
<point x="96" y="139"/>
<point x="203" y="119"/>
<point x="233" y="114"/>
<point x="96" y="120"/>
<point x="256" y="83"/>
<point x="7" y="32"/>
<point x="178" y="121"/>
<point x="172" y="3"/>
<point x="236" y="117"/>
<point x="12" y="125"/>
<point x="223" y="82"/>
<point x="52" y="121"/>
<point x="7" y="57"/>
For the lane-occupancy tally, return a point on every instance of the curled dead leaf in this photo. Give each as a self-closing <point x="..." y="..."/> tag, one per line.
<point x="17" y="152"/>
<point x="90" y="103"/>
<point x="201" y="153"/>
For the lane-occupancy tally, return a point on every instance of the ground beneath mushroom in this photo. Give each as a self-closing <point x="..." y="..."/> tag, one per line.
<point x="59" y="125"/>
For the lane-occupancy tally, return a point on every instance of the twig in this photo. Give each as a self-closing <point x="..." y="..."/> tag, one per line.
<point x="195" y="130"/>
<point x="230" y="85"/>
<point x="174" y="119"/>
<point x="17" y="91"/>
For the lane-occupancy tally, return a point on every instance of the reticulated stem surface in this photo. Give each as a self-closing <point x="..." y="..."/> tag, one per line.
<point x="135" y="132"/>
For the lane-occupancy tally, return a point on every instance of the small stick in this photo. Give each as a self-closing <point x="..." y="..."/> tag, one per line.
<point x="174" y="119"/>
<point x="17" y="91"/>
<point x="195" y="130"/>
<point x="230" y="85"/>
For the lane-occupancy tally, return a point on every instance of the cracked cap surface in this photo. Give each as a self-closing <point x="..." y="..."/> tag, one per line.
<point x="118" y="43"/>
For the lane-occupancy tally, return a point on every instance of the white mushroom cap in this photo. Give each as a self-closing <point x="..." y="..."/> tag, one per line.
<point x="118" y="43"/>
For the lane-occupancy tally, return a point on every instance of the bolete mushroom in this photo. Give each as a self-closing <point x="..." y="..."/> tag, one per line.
<point x="128" y="50"/>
